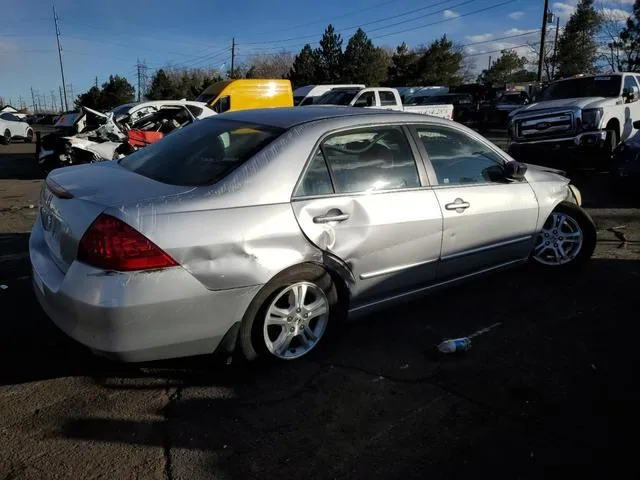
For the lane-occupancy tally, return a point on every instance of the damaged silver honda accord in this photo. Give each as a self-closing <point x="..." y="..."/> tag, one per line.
<point x="254" y="231"/>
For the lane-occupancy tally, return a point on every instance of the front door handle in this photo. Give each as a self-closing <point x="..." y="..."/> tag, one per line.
<point x="458" y="205"/>
<point x="333" y="215"/>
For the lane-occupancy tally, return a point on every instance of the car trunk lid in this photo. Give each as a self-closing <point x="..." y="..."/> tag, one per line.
<point x="73" y="197"/>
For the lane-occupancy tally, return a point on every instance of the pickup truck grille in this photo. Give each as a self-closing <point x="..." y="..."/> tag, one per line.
<point x="547" y="125"/>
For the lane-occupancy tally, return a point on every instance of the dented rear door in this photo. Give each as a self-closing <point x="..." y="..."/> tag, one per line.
<point x="364" y="199"/>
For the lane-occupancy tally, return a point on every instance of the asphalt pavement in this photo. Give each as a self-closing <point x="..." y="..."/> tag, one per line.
<point x="548" y="390"/>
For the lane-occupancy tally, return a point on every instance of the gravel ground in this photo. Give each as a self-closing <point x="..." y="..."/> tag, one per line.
<point x="551" y="385"/>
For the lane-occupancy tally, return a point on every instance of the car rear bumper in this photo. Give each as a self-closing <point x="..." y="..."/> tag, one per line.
<point x="134" y="316"/>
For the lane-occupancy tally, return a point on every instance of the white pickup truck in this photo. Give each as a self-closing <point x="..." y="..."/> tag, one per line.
<point x="383" y="98"/>
<point x="586" y="114"/>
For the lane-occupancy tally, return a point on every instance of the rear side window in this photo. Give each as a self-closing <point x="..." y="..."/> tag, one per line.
<point x="202" y="154"/>
<point x="387" y="98"/>
<point x="370" y="160"/>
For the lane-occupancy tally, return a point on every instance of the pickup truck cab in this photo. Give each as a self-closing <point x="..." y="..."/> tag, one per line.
<point x="586" y="113"/>
<point x="308" y="94"/>
<point x="381" y="98"/>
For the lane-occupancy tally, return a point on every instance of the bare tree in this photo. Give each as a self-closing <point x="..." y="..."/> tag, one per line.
<point x="270" y="66"/>
<point x="614" y="53"/>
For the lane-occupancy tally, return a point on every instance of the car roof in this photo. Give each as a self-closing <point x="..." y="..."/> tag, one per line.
<point x="288" y="117"/>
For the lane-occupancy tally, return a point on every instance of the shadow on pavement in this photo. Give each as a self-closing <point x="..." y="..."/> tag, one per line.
<point x="19" y="166"/>
<point x="554" y="384"/>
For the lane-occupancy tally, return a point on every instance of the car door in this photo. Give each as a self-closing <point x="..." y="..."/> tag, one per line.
<point x="364" y="199"/>
<point x="487" y="221"/>
<point x="631" y="94"/>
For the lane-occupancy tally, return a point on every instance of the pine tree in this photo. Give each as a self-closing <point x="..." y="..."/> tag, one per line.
<point x="628" y="43"/>
<point x="577" y="47"/>
<point x="303" y="70"/>
<point x="329" y="55"/>
<point x="362" y="62"/>
<point x="162" y="88"/>
<point x="403" y="66"/>
<point x="440" y="64"/>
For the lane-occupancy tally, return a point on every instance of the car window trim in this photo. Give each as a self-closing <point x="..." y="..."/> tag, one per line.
<point x="413" y="128"/>
<point x="417" y="158"/>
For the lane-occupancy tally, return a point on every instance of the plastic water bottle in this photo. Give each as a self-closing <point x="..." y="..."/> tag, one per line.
<point x="455" y="345"/>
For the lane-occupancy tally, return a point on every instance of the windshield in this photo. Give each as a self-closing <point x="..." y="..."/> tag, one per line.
<point x="599" y="86"/>
<point x="437" y="99"/>
<point x="337" y="97"/>
<point x="202" y="154"/>
<point x="511" y="98"/>
<point x="122" y="109"/>
<point x="212" y="92"/>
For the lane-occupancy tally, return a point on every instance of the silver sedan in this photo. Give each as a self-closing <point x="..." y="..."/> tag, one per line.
<point x="253" y="231"/>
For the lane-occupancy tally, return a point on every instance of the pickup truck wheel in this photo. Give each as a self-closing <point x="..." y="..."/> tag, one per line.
<point x="567" y="239"/>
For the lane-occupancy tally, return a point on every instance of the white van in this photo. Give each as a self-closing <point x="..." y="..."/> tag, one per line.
<point x="308" y="94"/>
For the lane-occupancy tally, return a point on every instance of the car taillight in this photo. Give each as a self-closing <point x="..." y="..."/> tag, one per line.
<point x="111" y="244"/>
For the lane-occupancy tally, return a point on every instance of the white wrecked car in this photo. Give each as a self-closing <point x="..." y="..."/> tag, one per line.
<point x="92" y="136"/>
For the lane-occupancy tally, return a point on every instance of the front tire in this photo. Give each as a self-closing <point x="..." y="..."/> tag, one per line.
<point x="567" y="240"/>
<point x="5" y="139"/>
<point x="29" y="137"/>
<point x="290" y="315"/>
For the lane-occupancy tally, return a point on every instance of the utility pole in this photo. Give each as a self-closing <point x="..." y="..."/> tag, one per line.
<point x="489" y="62"/>
<point x="33" y="100"/>
<point x="55" y="21"/>
<point x="555" y="49"/>
<point x="61" y="104"/>
<point x="543" y="35"/>
<point x="53" y="100"/>
<point x="233" y="54"/>
<point x="138" y="68"/>
<point x="96" y="81"/>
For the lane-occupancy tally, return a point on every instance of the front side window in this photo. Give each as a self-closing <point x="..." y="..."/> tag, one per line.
<point x="369" y="160"/>
<point x="459" y="159"/>
<point x="202" y="154"/>
<point x="222" y="104"/>
<point x="367" y="99"/>
<point x="629" y="84"/>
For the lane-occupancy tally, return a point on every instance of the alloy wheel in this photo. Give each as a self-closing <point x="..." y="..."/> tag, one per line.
<point x="560" y="240"/>
<point x="296" y="320"/>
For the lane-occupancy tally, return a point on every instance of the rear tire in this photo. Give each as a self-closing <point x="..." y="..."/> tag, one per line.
<point x="567" y="240"/>
<point x="29" y="137"/>
<point x="274" y="329"/>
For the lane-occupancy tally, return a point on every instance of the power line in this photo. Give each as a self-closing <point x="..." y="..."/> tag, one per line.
<point x="329" y="20"/>
<point x="353" y="27"/>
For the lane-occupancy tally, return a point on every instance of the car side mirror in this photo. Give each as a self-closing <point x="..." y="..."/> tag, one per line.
<point x="514" y="170"/>
<point x="636" y="124"/>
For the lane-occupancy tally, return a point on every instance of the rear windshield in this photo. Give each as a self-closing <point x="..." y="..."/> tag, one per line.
<point x="202" y="154"/>
<point x="337" y="97"/>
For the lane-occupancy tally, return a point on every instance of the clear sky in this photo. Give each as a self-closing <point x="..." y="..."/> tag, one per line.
<point x="108" y="37"/>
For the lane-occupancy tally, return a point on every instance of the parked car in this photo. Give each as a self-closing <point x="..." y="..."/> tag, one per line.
<point x="380" y="98"/>
<point x="232" y="95"/>
<point x="496" y="113"/>
<point x="626" y="157"/>
<point x="308" y="94"/>
<point x="92" y="136"/>
<point x="254" y="230"/>
<point x="587" y="114"/>
<point x="463" y="108"/>
<point x="12" y="127"/>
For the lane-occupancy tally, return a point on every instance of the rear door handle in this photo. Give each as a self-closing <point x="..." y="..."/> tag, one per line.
<point x="458" y="205"/>
<point x="333" y="215"/>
